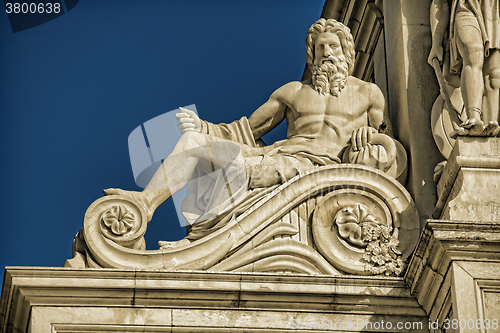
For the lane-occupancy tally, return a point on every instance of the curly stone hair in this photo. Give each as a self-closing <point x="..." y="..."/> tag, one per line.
<point x="333" y="26"/>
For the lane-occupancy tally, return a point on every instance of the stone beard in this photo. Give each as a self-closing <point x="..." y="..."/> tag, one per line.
<point x="330" y="77"/>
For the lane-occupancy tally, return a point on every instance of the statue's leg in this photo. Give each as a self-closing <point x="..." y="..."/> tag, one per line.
<point x="173" y="174"/>
<point x="491" y="73"/>
<point x="470" y="46"/>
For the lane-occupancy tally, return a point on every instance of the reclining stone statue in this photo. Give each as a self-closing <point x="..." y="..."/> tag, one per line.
<point x="278" y="207"/>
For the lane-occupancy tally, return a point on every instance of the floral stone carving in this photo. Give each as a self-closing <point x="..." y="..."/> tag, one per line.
<point x="118" y="220"/>
<point x="382" y="254"/>
<point x="352" y="222"/>
<point x="360" y="228"/>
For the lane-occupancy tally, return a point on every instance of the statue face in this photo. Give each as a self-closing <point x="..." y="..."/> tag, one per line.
<point x="327" y="44"/>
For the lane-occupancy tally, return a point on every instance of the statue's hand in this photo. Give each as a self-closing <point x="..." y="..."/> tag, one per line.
<point x="361" y="137"/>
<point x="436" y="52"/>
<point x="188" y="121"/>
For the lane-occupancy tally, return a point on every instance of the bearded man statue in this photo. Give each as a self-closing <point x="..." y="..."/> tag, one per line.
<point x="330" y="116"/>
<point x="329" y="76"/>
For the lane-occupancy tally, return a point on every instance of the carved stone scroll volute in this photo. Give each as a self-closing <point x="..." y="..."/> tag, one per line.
<point x="356" y="228"/>
<point x="367" y="206"/>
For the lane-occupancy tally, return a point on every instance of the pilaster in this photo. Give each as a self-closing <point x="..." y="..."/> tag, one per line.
<point x="412" y="90"/>
<point x="455" y="269"/>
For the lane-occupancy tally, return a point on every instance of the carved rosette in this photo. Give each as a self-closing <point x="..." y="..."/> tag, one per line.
<point x="121" y="221"/>
<point x="118" y="220"/>
<point x="353" y="223"/>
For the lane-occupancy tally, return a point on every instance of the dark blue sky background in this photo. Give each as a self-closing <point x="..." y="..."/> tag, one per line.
<point x="73" y="89"/>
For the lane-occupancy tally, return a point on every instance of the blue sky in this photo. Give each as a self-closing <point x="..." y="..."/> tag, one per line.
<point x="74" y="88"/>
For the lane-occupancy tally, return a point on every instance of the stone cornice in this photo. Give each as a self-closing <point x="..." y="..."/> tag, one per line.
<point x="26" y="287"/>
<point x="443" y="242"/>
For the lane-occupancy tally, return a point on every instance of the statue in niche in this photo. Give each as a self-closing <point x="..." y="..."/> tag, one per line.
<point x="470" y="75"/>
<point x="313" y="203"/>
<point x="323" y="114"/>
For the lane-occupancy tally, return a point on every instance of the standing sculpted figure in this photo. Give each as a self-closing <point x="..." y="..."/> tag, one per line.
<point x="324" y="114"/>
<point x="474" y="42"/>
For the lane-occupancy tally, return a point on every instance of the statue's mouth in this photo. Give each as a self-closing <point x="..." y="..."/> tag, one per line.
<point x="327" y="61"/>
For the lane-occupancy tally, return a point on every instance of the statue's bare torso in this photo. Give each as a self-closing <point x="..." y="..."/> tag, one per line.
<point x="319" y="120"/>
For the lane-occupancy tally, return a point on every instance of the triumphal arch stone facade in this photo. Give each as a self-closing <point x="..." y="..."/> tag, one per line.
<point x="378" y="212"/>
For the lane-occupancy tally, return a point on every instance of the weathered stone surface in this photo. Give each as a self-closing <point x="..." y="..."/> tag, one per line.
<point x="412" y="89"/>
<point x="469" y="188"/>
<point x="455" y="265"/>
<point x="72" y="300"/>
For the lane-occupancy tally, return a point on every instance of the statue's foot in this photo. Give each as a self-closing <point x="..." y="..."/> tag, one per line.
<point x="171" y="245"/>
<point x="474" y="125"/>
<point x="140" y="197"/>
<point x="479" y="129"/>
<point x="494" y="128"/>
<point x="471" y="127"/>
